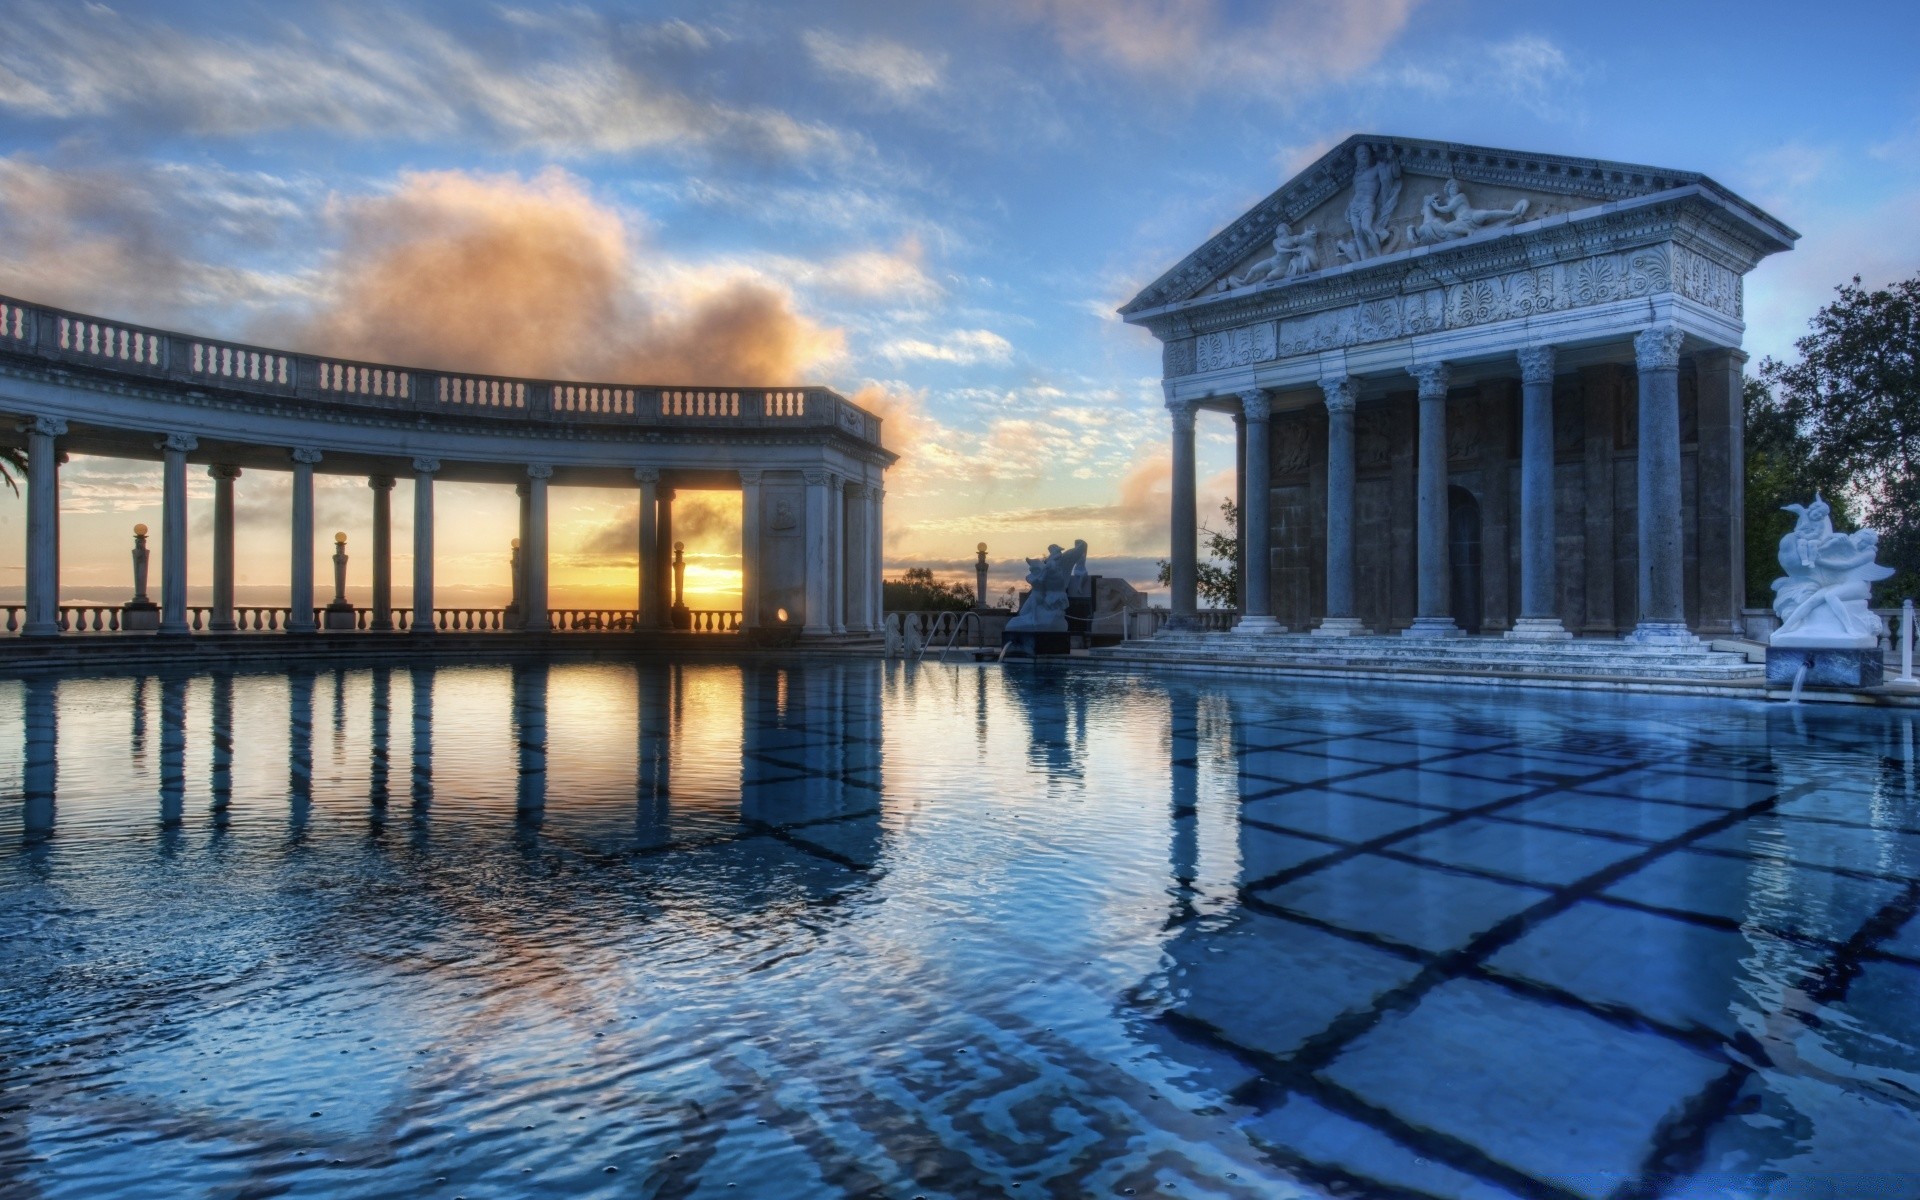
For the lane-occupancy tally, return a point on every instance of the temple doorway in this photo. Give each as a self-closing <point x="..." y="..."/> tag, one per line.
<point x="1463" y="553"/>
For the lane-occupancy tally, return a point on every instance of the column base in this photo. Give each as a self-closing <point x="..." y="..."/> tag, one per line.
<point x="1433" y="627"/>
<point x="173" y="629"/>
<point x="1538" y="629"/>
<point x="40" y="629"/>
<point x="1185" y="620"/>
<point x="1340" y="627"/>
<point x="1662" y="633"/>
<point x="1258" y="624"/>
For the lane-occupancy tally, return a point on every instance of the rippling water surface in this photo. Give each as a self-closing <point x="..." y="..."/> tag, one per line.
<point x="853" y="929"/>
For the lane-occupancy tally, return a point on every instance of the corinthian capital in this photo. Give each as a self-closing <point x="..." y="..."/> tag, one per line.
<point x="426" y="466"/>
<point x="305" y="454"/>
<point x="539" y="471"/>
<point x="1536" y="364"/>
<point x="44" y="426"/>
<point x="1657" y="348"/>
<point x="646" y="474"/>
<point x="179" y="443"/>
<point x="1433" y="378"/>
<point x="1182" y="412"/>
<point x="1255" y="404"/>
<point x="1338" y="390"/>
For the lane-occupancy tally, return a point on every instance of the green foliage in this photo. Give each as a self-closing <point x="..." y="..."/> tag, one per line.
<point x="918" y="591"/>
<point x="1850" y="415"/>
<point x="1218" y="575"/>
<point x="13" y="466"/>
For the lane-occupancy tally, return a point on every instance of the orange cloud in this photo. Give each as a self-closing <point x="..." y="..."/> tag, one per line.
<point x="534" y="277"/>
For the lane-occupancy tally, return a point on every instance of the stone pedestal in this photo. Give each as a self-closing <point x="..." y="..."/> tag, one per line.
<point x="1433" y="627"/>
<point x="1254" y="625"/>
<point x="337" y="616"/>
<point x="1339" y="627"/>
<point x="1037" y="643"/>
<point x="1538" y="629"/>
<point x="140" y="615"/>
<point x="1828" y="668"/>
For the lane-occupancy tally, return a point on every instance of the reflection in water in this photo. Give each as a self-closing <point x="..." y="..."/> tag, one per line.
<point x="791" y="927"/>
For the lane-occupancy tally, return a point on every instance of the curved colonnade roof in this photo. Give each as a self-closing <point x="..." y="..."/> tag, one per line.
<point x="119" y="386"/>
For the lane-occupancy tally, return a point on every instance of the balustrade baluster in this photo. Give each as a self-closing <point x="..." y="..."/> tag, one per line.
<point x="13" y="619"/>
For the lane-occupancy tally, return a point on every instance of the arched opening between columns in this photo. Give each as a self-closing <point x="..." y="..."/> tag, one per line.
<point x="1463" y="558"/>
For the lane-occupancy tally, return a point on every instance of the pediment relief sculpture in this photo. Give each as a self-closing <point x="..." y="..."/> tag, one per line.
<point x="1369" y="211"/>
<point x="1294" y="254"/>
<point x="1448" y="216"/>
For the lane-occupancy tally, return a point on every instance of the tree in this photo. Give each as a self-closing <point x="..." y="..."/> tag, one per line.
<point x="1217" y="575"/>
<point x="13" y="466"/>
<point x="1854" y="396"/>
<point x="918" y="591"/>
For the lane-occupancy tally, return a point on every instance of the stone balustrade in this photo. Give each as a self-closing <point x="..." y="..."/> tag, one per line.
<point x="107" y="618"/>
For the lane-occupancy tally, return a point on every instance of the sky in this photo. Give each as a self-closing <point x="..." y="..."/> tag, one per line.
<point x="934" y="208"/>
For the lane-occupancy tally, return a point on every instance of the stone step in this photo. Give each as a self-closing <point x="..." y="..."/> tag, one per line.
<point x="1468" y="647"/>
<point x="1725" y="667"/>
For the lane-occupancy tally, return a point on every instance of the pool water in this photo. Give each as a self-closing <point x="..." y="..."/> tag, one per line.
<point x="861" y="929"/>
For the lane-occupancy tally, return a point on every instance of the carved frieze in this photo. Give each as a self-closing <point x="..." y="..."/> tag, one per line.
<point x="1176" y="357"/>
<point x="1704" y="281"/>
<point x="1235" y="347"/>
<point x="1292" y="446"/>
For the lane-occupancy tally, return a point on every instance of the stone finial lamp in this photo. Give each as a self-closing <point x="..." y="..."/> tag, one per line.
<point x="140" y="612"/>
<point x="514" y="569"/>
<point x="682" y="618"/>
<point x="339" y="613"/>
<point x="980" y="577"/>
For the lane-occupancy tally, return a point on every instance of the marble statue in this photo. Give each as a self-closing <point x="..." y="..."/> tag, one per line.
<point x="1446" y="217"/>
<point x="1293" y="254"/>
<point x="1376" y="189"/>
<point x="1822" y="601"/>
<point x="1046" y="608"/>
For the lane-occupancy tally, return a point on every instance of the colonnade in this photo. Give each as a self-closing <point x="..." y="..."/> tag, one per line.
<point x="1661" y="612"/>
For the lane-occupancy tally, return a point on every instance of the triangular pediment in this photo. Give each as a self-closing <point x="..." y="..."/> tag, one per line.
<point x="1372" y="197"/>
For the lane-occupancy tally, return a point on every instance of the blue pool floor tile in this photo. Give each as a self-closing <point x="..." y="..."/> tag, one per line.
<point x="1556" y="1094"/>
<point x="1335" y="814"/>
<point x="1269" y="984"/>
<point x="1426" y="907"/>
<point x="1528" y="853"/>
<point x="1582" y="812"/>
<point x="1768" y="895"/>
<point x="1647" y="783"/>
<point x="1436" y="789"/>
<point x="1305" y="1130"/>
<point x="1264" y="852"/>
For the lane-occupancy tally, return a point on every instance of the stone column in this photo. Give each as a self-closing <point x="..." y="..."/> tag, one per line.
<point x="1433" y="577"/>
<point x="1256" y="506"/>
<point x="649" y="615"/>
<point x="382" y="486"/>
<point x="878" y="533"/>
<point x="423" y="472"/>
<point x="43" y="526"/>
<point x="517" y="608"/>
<point x="859" y="548"/>
<point x="749" y="549"/>
<point x="1184" y="525"/>
<point x="533" y="549"/>
<point x="173" y="532"/>
<point x="1539" y="619"/>
<point x="300" y="620"/>
<point x="818" y="620"/>
<point x="223" y="476"/>
<point x="1720" y="498"/>
<point x="663" y="556"/>
<point x="837" y="553"/>
<point x="1339" y="621"/>
<point x="1240" y="505"/>
<point x="1662" y="618"/>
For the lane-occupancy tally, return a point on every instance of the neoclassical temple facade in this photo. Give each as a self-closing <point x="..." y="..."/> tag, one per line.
<point x="1475" y="390"/>
<point x="808" y="463"/>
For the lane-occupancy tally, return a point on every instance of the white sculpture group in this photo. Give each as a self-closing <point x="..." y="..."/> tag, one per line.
<point x="1823" y="600"/>
<point x="1046" y="608"/>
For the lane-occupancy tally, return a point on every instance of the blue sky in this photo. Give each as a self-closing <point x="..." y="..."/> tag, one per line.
<point x="936" y="206"/>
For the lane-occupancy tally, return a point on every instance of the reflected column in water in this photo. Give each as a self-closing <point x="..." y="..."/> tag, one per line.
<point x="530" y="732"/>
<point x="653" y="784"/>
<point x="421" y="680"/>
<point x="1183" y="721"/>
<point x="137" y="736"/>
<point x="40" y="774"/>
<point x="379" y="712"/>
<point x="300" y="685"/>
<point x="173" y="749"/>
<point x="220" y="769"/>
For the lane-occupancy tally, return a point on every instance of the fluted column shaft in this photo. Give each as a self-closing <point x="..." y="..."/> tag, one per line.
<point x="1662" y="595"/>
<point x="837" y="554"/>
<point x="173" y="532"/>
<point x="382" y="486"/>
<point x="43" y="526"/>
<point x="300" y="620"/>
<point x="1340" y="619"/>
<point x="1183" y="526"/>
<point x="1256" y="536"/>
<point x="818" y="619"/>
<point x="750" y="616"/>
<point x="533" y="549"/>
<point x="1433" y="592"/>
<point x="423" y="472"/>
<point x="223" y="476"/>
<point x="1539" y="604"/>
<point x="663" y="556"/>
<point x="858" y="550"/>
<point x="649" y="480"/>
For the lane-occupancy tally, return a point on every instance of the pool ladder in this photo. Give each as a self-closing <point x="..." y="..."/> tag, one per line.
<point x="953" y="637"/>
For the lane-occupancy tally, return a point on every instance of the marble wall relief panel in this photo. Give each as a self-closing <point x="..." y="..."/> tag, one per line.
<point x="1373" y="439"/>
<point x="1463" y="424"/>
<point x="1292" y="446"/>
<point x="1235" y="347"/>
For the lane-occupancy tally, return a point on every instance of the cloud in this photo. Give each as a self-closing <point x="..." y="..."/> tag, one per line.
<point x="708" y="522"/>
<point x="896" y="72"/>
<point x="572" y="83"/>
<point x="1280" y="48"/>
<point x="1527" y="69"/>
<point x="509" y="275"/>
<point x="963" y="347"/>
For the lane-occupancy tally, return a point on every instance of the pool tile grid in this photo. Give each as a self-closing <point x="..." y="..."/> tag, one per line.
<point x="1676" y="1145"/>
